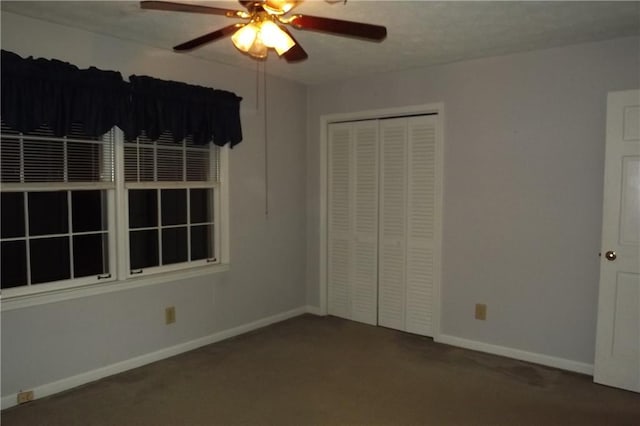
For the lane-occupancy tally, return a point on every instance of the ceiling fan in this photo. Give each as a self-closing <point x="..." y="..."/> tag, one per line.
<point x="266" y="29"/>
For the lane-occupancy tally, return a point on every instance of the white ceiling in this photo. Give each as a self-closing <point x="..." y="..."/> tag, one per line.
<point x="420" y="33"/>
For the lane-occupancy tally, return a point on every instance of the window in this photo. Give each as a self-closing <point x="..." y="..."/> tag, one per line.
<point x="56" y="226"/>
<point x="172" y="193"/>
<point x="63" y="199"/>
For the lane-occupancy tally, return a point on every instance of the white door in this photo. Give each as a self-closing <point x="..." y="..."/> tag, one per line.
<point x="384" y="207"/>
<point x="353" y="221"/>
<point x="393" y="216"/>
<point x="364" y="285"/>
<point x="617" y="361"/>
<point x="422" y="216"/>
<point x="340" y="217"/>
<point x="409" y="205"/>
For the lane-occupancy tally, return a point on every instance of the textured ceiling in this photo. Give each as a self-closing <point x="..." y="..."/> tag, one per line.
<point x="420" y="33"/>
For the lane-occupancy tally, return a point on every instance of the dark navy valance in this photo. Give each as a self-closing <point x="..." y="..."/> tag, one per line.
<point x="37" y="92"/>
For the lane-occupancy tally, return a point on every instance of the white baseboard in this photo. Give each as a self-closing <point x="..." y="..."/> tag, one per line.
<point x="314" y="310"/>
<point x="536" y="358"/>
<point x="119" y="367"/>
<point x="99" y="373"/>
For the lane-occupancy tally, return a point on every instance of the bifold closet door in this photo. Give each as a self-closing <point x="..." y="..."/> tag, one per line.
<point x="393" y="215"/>
<point x="382" y="206"/>
<point x="407" y="217"/>
<point x="421" y="219"/>
<point x="353" y="221"/>
<point x="340" y="216"/>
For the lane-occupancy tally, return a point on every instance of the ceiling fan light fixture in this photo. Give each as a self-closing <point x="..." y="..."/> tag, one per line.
<point x="258" y="50"/>
<point x="257" y="37"/>
<point x="266" y="28"/>
<point x="273" y="36"/>
<point x="245" y="37"/>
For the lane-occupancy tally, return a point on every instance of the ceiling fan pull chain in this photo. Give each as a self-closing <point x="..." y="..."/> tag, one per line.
<point x="266" y="140"/>
<point x="257" y="85"/>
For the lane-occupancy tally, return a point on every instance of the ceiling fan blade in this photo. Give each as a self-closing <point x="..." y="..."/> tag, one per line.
<point x="339" y="27"/>
<point x="208" y="38"/>
<point x="193" y="8"/>
<point x="296" y="53"/>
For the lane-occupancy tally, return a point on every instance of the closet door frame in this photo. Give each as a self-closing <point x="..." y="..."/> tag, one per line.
<point x="408" y="111"/>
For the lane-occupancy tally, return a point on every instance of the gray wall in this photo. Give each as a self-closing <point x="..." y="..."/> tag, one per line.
<point x="45" y="343"/>
<point x="524" y="154"/>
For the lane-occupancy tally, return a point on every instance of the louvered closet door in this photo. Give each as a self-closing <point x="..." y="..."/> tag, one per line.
<point x="421" y="210"/>
<point x="382" y="216"/>
<point x="364" y="282"/>
<point x="340" y="216"/>
<point x="407" y="215"/>
<point x="392" y="230"/>
<point x="353" y="220"/>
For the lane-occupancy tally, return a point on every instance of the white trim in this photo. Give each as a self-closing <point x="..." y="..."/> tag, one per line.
<point x="533" y="357"/>
<point x="55" y="186"/>
<point x="325" y="120"/>
<point x="224" y="201"/>
<point x="122" y="209"/>
<point x="112" y="229"/>
<point x="170" y="185"/>
<point x="434" y="108"/>
<point x="324" y="224"/>
<point x="35" y="299"/>
<point x="439" y="220"/>
<point x="99" y="373"/>
<point x="314" y="310"/>
<point x="172" y="267"/>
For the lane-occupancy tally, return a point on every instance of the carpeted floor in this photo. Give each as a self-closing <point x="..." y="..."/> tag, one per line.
<point x="327" y="371"/>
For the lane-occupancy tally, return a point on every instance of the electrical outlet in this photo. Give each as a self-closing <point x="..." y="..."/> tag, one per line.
<point x="481" y="311"/>
<point x="170" y="315"/>
<point x="25" y="396"/>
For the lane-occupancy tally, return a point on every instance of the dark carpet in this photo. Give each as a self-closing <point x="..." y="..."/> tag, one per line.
<point x="328" y="371"/>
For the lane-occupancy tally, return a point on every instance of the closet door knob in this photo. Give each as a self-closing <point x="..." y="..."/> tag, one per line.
<point x="610" y="255"/>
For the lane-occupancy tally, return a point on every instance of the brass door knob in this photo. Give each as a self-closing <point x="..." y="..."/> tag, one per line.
<point x="610" y="255"/>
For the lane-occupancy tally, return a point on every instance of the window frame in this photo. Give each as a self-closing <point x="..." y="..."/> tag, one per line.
<point x="105" y="183"/>
<point x="70" y="282"/>
<point x="118" y="233"/>
<point x="159" y="186"/>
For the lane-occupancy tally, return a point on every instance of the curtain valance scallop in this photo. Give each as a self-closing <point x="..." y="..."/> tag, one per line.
<point x="37" y="92"/>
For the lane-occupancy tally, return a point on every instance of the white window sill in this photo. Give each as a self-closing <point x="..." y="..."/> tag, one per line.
<point x="8" y="303"/>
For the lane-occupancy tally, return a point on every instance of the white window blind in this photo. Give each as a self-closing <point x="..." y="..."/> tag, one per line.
<point x="41" y="157"/>
<point x="166" y="161"/>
